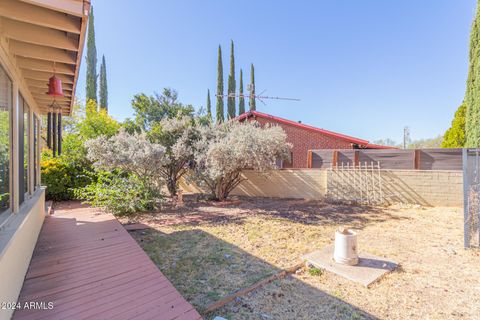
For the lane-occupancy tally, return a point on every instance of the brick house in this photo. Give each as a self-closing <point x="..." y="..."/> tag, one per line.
<point x="304" y="137"/>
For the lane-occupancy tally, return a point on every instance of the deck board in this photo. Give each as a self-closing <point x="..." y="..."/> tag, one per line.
<point x="88" y="265"/>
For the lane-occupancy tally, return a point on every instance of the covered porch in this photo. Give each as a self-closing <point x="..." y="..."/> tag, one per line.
<point x="86" y="266"/>
<point x="84" y="263"/>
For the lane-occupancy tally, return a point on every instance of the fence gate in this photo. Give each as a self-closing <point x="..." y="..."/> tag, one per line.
<point x="360" y="183"/>
<point x="471" y="197"/>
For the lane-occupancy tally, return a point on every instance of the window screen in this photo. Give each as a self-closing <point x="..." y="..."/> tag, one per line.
<point x="5" y="126"/>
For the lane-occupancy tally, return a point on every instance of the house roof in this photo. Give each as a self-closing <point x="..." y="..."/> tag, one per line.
<point x="303" y="126"/>
<point x="43" y="38"/>
<point x="378" y="146"/>
<point x="363" y="143"/>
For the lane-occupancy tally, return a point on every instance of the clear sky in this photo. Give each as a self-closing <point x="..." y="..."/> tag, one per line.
<point x="364" y="68"/>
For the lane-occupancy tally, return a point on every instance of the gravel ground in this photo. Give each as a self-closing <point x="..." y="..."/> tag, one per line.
<point x="209" y="250"/>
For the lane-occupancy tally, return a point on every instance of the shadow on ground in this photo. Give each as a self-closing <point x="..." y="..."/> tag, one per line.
<point x="308" y="212"/>
<point x="205" y="269"/>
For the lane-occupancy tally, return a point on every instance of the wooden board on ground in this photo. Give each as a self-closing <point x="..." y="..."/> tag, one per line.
<point x="136" y="226"/>
<point x="369" y="269"/>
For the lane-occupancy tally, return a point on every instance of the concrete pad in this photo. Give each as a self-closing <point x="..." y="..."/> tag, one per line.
<point x="369" y="269"/>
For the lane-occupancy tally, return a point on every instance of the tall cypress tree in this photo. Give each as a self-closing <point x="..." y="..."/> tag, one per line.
<point x="252" y="103"/>
<point x="472" y="95"/>
<point x="231" y="84"/>
<point x="241" y="102"/>
<point x="91" y="57"/>
<point x="103" y="85"/>
<point x="209" y="105"/>
<point x="220" y="112"/>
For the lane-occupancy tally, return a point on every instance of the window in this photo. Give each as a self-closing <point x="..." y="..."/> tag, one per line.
<point x="5" y="140"/>
<point x="26" y="145"/>
<point x="24" y="150"/>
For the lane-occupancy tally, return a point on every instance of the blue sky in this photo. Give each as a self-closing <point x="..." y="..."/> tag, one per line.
<point x="364" y="68"/>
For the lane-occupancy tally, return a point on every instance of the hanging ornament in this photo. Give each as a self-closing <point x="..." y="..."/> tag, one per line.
<point x="55" y="85"/>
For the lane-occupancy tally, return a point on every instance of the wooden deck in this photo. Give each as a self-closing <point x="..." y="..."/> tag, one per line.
<point x="88" y="267"/>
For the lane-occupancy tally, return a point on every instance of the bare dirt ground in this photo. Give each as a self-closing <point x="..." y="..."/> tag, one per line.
<point x="209" y="251"/>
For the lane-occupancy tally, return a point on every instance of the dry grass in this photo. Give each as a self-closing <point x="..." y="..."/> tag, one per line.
<point x="210" y="251"/>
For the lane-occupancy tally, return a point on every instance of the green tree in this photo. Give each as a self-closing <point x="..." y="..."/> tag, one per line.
<point x="90" y="124"/>
<point x="103" y="86"/>
<point x="209" y="105"/>
<point x="454" y="137"/>
<point x="149" y="110"/>
<point x="253" y="105"/>
<point x="472" y="94"/>
<point x="231" y="84"/>
<point x="220" y="112"/>
<point x="91" y="57"/>
<point x="241" y="102"/>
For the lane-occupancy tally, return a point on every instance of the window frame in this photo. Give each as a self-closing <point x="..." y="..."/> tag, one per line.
<point x="5" y="214"/>
<point x="36" y="151"/>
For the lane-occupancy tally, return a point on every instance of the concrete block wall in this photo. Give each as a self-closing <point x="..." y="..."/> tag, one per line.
<point x="424" y="187"/>
<point x="288" y="183"/>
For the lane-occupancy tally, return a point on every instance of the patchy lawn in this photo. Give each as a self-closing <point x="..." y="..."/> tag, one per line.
<point x="209" y="251"/>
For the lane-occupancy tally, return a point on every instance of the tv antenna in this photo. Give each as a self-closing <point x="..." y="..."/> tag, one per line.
<point x="260" y="97"/>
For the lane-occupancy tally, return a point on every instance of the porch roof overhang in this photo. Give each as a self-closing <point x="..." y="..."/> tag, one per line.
<point x="40" y="35"/>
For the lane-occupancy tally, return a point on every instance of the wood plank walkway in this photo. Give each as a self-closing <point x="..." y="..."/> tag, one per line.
<point x="88" y="267"/>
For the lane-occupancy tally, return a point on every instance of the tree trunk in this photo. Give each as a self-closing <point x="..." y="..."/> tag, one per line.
<point x="172" y="187"/>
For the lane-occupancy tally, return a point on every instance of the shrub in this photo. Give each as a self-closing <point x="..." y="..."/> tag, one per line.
<point x="130" y="153"/>
<point x="61" y="177"/>
<point x="120" y="193"/>
<point x="223" y="151"/>
<point x="134" y="181"/>
<point x="178" y="136"/>
<point x="72" y="170"/>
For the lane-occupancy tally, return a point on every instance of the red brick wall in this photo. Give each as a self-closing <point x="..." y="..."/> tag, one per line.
<point x="304" y="140"/>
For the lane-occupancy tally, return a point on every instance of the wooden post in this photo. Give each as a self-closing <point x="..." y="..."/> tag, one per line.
<point x="356" y="158"/>
<point x="309" y="159"/>
<point x="416" y="159"/>
<point x="335" y="158"/>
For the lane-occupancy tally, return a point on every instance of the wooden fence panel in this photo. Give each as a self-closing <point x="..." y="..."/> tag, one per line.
<point x="347" y="157"/>
<point x="389" y="159"/>
<point x="440" y="159"/>
<point x="394" y="159"/>
<point x="322" y="159"/>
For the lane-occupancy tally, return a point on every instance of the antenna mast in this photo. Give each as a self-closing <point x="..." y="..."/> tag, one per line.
<point x="260" y="97"/>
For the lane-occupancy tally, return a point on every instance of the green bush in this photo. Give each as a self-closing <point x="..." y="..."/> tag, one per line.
<point x="72" y="170"/>
<point x="62" y="177"/>
<point x="120" y="193"/>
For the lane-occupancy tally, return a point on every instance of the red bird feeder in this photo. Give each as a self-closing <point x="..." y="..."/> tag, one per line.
<point x="55" y="87"/>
